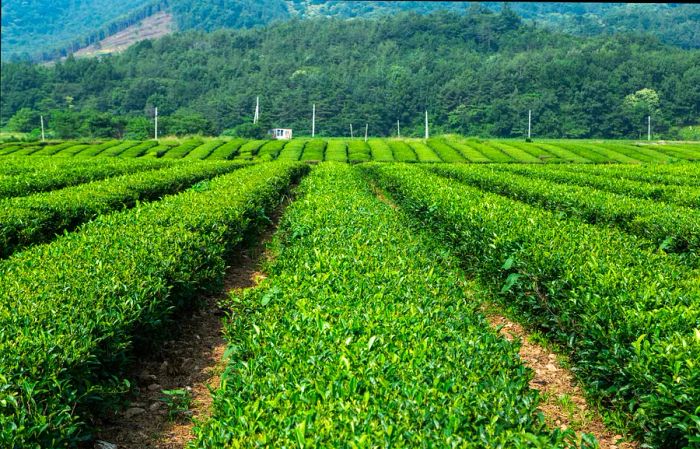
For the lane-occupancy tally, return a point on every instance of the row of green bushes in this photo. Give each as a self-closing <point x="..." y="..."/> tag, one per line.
<point x="362" y="336"/>
<point x="292" y="150"/>
<point x="670" y="227"/>
<point x="402" y="152"/>
<point x="71" y="310"/>
<point x="56" y="176"/>
<point x="271" y="150"/>
<point x="380" y="150"/>
<point x="688" y="196"/>
<point x="38" y="218"/>
<point x="673" y="174"/>
<point x="249" y="150"/>
<point x="358" y="151"/>
<point x="314" y="150"/>
<point x="337" y="151"/>
<point x="444" y="149"/>
<point x="227" y="150"/>
<point x="629" y="316"/>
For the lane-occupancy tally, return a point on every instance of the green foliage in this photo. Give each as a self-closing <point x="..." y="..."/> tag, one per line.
<point x="314" y="150"/>
<point x="628" y="314"/>
<point x="682" y="195"/>
<point x="292" y="150"/>
<point x="477" y="74"/>
<point x="673" y="228"/>
<point x="227" y="150"/>
<point x="424" y="152"/>
<point x="66" y="124"/>
<point x="249" y="150"/>
<point x="358" y="151"/>
<point x="139" y="150"/>
<point x="96" y="149"/>
<point x="247" y="131"/>
<point x="54" y="212"/>
<point x="362" y="334"/>
<point x="451" y="148"/>
<point x="401" y="151"/>
<point x="72" y="310"/>
<point x="182" y="150"/>
<point x="271" y="150"/>
<point x="515" y="153"/>
<point x="689" y="132"/>
<point x="24" y="121"/>
<point x="33" y="30"/>
<point x="445" y="151"/>
<point x="178" y="402"/>
<point x="51" y="174"/>
<point x="139" y="128"/>
<point x="185" y="122"/>
<point x="336" y="151"/>
<point x="203" y="151"/>
<point x="380" y="150"/>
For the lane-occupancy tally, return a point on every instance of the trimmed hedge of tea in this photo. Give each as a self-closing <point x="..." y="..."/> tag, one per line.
<point x="51" y="176"/>
<point x="629" y="317"/>
<point x="362" y="336"/>
<point x="38" y="218"/>
<point x="672" y="228"/>
<point x="71" y="310"/>
<point x="314" y="150"/>
<point x="688" y="196"/>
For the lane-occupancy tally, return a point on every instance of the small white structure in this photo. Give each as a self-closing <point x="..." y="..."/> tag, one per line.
<point x="281" y="133"/>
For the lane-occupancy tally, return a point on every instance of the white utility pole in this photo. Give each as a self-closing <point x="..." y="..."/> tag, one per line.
<point x="529" y="123"/>
<point x="43" y="139"/>
<point x="649" y="127"/>
<point x="427" y="132"/>
<point x="313" y="122"/>
<point x="398" y="129"/>
<point x="351" y="136"/>
<point x="156" y="130"/>
<point x="366" y="128"/>
<point x="256" y="117"/>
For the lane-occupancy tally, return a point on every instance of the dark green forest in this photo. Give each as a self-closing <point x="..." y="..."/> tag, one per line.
<point x="475" y="73"/>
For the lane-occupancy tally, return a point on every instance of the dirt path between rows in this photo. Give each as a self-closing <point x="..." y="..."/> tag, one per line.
<point x="563" y="403"/>
<point x="190" y="363"/>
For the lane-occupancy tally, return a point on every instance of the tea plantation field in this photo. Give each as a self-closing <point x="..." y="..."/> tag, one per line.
<point x="364" y="332"/>
<point x="443" y="149"/>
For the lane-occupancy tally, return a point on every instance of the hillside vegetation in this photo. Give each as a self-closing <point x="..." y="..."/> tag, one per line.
<point x="476" y="74"/>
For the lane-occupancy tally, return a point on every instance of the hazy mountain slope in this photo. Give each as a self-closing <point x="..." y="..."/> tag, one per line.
<point x="33" y="26"/>
<point x="51" y="29"/>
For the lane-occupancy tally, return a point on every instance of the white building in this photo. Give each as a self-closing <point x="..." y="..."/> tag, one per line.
<point x="281" y="133"/>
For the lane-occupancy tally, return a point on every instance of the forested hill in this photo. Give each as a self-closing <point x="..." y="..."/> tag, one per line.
<point x="46" y="30"/>
<point x="476" y="74"/>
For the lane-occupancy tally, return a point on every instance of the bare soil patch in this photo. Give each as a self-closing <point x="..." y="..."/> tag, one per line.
<point x="564" y="404"/>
